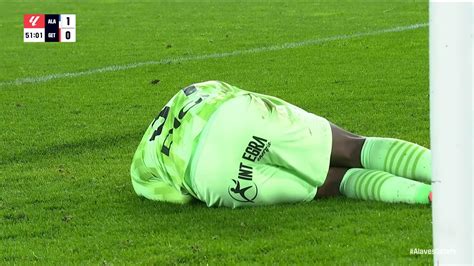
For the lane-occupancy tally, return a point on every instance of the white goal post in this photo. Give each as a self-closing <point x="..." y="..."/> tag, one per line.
<point x="451" y="110"/>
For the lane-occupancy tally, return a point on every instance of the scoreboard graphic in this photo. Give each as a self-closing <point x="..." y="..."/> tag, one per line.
<point x="49" y="28"/>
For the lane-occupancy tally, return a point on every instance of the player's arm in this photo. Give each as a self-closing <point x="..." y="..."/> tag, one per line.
<point x="158" y="190"/>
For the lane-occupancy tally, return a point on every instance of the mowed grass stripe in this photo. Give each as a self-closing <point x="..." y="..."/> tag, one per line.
<point x="289" y="45"/>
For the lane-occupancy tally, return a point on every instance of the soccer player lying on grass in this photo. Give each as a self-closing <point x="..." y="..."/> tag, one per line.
<point x="230" y="147"/>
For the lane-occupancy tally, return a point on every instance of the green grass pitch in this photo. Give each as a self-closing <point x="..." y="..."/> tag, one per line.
<point x="67" y="143"/>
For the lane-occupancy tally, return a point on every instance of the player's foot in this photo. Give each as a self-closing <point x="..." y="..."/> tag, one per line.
<point x="430" y="197"/>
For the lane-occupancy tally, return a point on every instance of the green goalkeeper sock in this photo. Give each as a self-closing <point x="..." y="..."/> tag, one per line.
<point x="382" y="186"/>
<point x="398" y="157"/>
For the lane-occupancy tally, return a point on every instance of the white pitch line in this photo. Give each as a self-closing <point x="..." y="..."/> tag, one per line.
<point x="277" y="47"/>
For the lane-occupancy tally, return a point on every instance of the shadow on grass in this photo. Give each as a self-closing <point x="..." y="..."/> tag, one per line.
<point x="217" y="217"/>
<point x="73" y="148"/>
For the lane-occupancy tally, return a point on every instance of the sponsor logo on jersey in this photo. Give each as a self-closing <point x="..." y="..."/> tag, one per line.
<point x="243" y="188"/>
<point x="256" y="149"/>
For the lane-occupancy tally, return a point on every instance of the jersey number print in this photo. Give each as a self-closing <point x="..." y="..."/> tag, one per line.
<point x="164" y="113"/>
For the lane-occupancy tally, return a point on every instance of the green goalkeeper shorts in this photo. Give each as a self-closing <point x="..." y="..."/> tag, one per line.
<point x="260" y="150"/>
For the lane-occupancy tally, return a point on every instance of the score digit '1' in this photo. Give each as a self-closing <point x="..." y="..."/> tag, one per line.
<point x="67" y="28"/>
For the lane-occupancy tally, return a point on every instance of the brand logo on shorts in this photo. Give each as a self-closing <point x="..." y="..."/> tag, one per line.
<point x="243" y="193"/>
<point x="244" y="189"/>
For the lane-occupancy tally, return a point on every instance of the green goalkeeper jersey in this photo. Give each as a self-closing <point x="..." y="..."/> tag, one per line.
<point x="167" y="147"/>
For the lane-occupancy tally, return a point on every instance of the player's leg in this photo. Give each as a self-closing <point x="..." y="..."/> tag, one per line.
<point x="399" y="157"/>
<point x="331" y="185"/>
<point x="346" y="148"/>
<point x="377" y="185"/>
<point x="373" y="185"/>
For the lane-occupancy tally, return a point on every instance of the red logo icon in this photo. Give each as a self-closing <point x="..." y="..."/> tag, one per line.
<point x="33" y="21"/>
